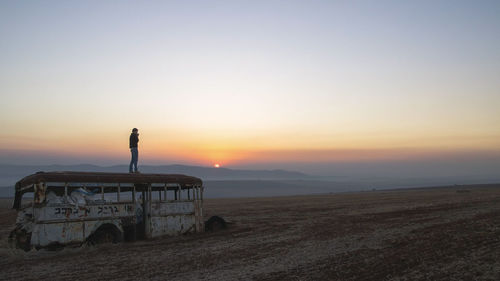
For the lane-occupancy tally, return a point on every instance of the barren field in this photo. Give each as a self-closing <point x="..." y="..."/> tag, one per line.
<point x="421" y="234"/>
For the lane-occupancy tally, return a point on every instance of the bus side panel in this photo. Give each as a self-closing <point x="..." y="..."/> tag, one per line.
<point x="172" y="218"/>
<point x="198" y="215"/>
<point x="76" y="232"/>
<point x="172" y="208"/>
<point x="69" y="224"/>
<point x="172" y="225"/>
<point x="65" y="212"/>
<point x="45" y="234"/>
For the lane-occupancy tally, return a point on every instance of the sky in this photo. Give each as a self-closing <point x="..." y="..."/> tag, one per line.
<point x="305" y="85"/>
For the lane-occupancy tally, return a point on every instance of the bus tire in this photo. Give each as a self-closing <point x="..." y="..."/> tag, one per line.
<point x="106" y="234"/>
<point x="215" y="223"/>
<point x="20" y="239"/>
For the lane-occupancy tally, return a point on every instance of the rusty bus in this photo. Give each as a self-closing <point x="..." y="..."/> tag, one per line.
<point x="68" y="208"/>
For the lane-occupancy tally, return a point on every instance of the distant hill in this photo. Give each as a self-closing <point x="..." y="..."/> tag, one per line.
<point x="9" y="174"/>
<point x="224" y="182"/>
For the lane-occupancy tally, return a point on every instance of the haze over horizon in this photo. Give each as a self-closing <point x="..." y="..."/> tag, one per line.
<point x="321" y="87"/>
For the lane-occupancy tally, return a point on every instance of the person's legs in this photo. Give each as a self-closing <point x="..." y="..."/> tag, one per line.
<point x="131" y="161"/>
<point x="136" y="159"/>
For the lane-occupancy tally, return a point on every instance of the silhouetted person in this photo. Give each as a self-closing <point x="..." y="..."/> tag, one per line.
<point x="134" y="139"/>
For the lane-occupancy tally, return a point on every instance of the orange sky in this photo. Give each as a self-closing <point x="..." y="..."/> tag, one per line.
<point x="186" y="148"/>
<point x="252" y="82"/>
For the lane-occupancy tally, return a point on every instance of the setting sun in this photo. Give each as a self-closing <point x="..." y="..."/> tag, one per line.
<point x="216" y="166"/>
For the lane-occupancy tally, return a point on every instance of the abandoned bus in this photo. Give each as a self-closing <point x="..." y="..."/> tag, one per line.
<point x="62" y="208"/>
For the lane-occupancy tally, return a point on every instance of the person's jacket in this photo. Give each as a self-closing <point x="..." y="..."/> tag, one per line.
<point x="134" y="139"/>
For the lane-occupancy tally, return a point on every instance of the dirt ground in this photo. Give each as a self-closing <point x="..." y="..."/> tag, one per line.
<point x="421" y="234"/>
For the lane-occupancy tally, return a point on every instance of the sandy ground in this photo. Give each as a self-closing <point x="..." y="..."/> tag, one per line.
<point x="422" y="234"/>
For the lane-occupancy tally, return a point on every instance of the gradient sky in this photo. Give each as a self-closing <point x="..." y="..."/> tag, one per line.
<point x="249" y="83"/>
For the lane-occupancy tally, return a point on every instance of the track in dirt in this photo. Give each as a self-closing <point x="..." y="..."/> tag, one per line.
<point x="422" y="234"/>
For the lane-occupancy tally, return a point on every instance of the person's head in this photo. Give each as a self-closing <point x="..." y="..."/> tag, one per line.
<point x="135" y="130"/>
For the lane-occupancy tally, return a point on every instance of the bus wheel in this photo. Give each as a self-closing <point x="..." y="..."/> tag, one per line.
<point x="105" y="234"/>
<point x="20" y="239"/>
<point x="215" y="223"/>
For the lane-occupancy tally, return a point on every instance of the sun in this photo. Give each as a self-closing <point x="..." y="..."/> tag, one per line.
<point x="216" y="165"/>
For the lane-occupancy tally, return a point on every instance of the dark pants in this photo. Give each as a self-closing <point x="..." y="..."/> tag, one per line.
<point x="135" y="158"/>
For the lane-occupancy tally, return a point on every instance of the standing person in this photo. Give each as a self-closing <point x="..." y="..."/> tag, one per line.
<point x="134" y="139"/>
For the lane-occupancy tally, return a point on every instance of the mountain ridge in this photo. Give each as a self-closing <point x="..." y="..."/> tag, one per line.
<point x="210" y="173"/>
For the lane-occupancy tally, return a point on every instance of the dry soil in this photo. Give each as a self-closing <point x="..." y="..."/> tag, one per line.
<point x="448" y="233"/>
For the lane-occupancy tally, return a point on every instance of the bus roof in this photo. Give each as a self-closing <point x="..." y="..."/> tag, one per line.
<point x="99" y="177"/>
<point x="138" y="179"/>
